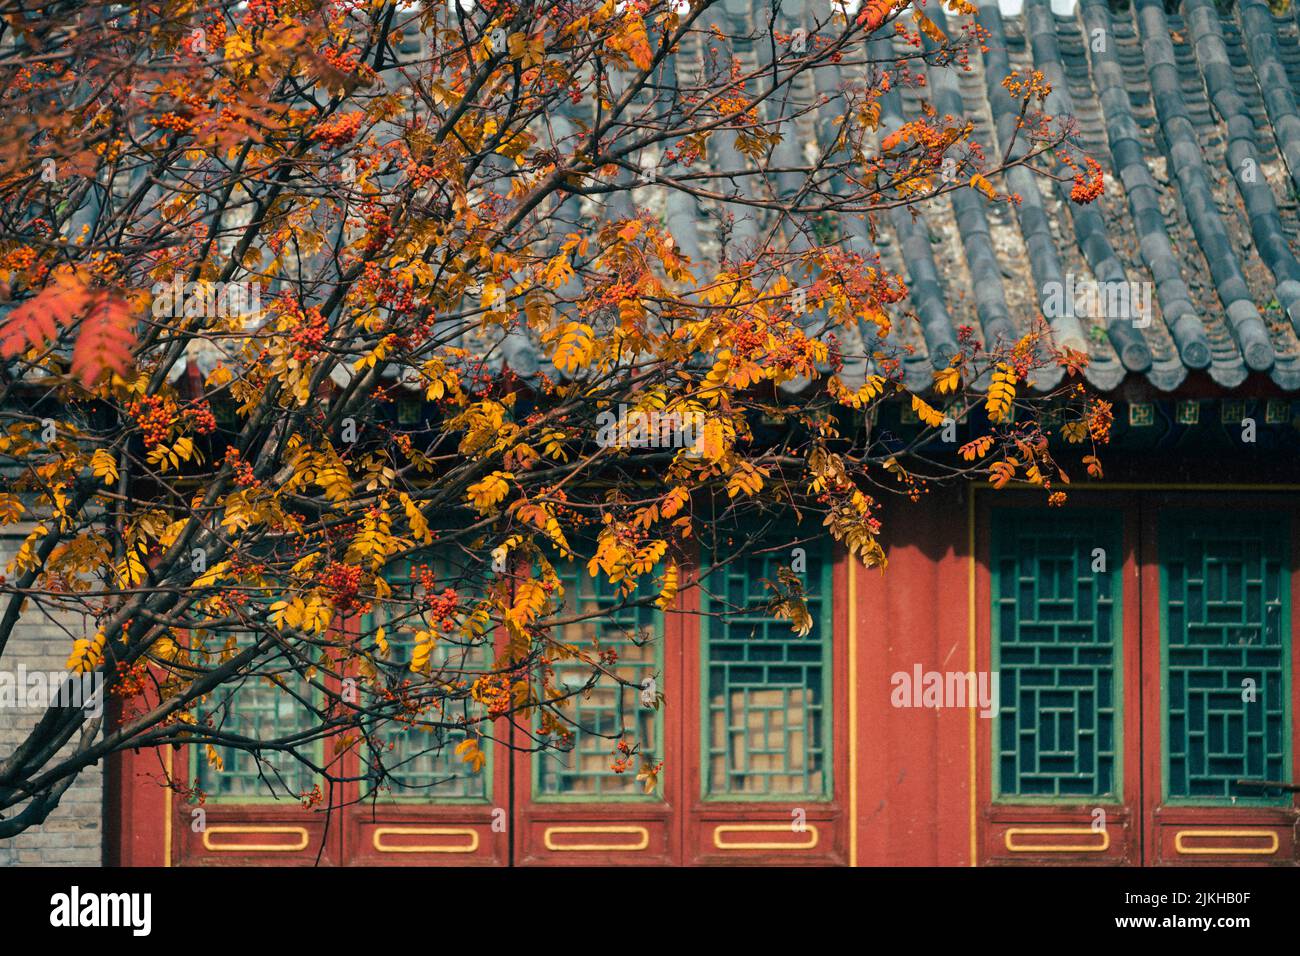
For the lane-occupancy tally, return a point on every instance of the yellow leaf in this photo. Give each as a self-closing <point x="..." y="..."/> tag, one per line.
<point x="947" y="381"/>
<point x="577" y="343"/>
<point x="930" y="416"/>
<point x="668" y="593"/>
<point x="1002" y="471"/>
<point x="1002" y="392"/>
<point x="977" y="448"/>
<point x="86" y="654"/>
<point x="11" y="508"/>
<point x="929" y="27"/>
<point x="469" y="752"/>
<point x="491" y="491"/>
<point x="104" y="465"/>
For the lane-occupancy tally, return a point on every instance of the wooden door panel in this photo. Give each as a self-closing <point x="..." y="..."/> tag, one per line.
<point x="425" y="836"/>
<point x="431" y="808"/>
<point x="572" y="808"/>
<point x="1061" y="835"/>
<point x="1057" y="620"/>
<point x="766" y="712"/>
<point x="1220" y="588"/>
<point x="252" y="835"/>
<point x="256" y="811"/>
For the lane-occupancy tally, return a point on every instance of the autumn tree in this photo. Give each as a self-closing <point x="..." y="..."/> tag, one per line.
<point x="296" y="292"/>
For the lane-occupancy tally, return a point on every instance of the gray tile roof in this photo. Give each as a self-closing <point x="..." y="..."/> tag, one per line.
<point x="1192" y="115"/>
<point x="1199" y="202"/>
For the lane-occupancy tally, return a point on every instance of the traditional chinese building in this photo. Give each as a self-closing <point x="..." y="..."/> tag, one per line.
<point x="1141" y="635"/>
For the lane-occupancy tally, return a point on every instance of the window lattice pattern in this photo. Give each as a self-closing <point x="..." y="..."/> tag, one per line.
<point x="1056" y="649"/>
<point x="599" y="717"/>
<point x="1226" y="617"/>
<point x="418" y="761"/>
<point x="768" y="722"/>
<point x="259" y="710"/>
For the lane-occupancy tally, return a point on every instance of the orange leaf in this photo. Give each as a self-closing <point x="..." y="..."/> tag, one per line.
<point x="977" y="448"/>
<point x="1001" y="472"/>
<point x="983" y="185"/>
<point x="105" y="340"/>
<point x="929" y="27"/>
<point x="38" y="319"/>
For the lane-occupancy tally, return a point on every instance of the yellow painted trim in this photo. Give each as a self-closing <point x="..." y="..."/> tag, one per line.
<point x="973" y="739"/>
<point x="763" y="828"/>
<point x="167" y="817"/>
<point x="1226" y="850"/>
<point x="595" y="847"/>
<point x="853" y="712"/>
<point x="1008" y="836"/>
<point x="300" y="832"/>
<point x="376" y="838"/>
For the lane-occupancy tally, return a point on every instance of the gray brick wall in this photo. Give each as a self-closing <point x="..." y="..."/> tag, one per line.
<point x="73" y="834"/>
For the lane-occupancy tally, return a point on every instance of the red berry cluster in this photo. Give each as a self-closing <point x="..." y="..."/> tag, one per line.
<point x="130" y="680"/>
<point x="425" y="576"/>
<point x="204" y="422"/>
<point x="344" y="583"/>
<point x="1090" y="184"/>
<point x="243" y="470"/>
<point x="154" y="417"/>
<point x="420" y="173"/>
<point x="260" y="13"/>
<point x="443" y="607"/>
<point x="216" y="28"/>
<point x="396" y="293"/>
<point x="835" y="358"/>
<point x="342" y="60"/>
<point x="172" y="121"/>
<point x="338" y="130"/>
<point x="493" y="691"/>
<point x="379" y="229"/>
<point x="309" y="329"/>
<point x="623" y="761"/>
<point x="748" y="339"/>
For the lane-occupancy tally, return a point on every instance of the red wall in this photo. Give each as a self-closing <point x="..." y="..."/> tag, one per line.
<point x="913" y="764"/>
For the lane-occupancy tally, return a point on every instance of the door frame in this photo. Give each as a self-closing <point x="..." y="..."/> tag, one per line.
<point x="1186" y="834"/>
<point x="1060" y="834"/>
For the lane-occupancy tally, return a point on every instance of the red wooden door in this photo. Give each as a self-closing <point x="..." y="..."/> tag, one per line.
<point x="267" y="811"/>
<point x="1058" y="620"/>
<point x="1205" y="679"/>
<point x="1219" y="589"/>
<point x="412" y="799"/>
<point x="765" y="712"/>
<point x="750" y="747"/>
<point x="573" y="807"/>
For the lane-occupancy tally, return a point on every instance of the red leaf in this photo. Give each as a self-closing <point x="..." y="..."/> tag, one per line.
<point x="38" y="319"/>
<point x="105" y="340"/>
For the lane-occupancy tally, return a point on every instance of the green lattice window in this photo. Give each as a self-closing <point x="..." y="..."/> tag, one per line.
<point x="417" y="760"/>
<point x="767" y="690"/>
<point x="261" y="710"/>
<point x="598" y="718"/>
<point x="1056" y="579"/>
<point x="1226" y="611"/>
